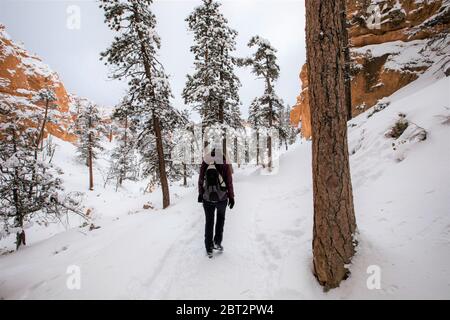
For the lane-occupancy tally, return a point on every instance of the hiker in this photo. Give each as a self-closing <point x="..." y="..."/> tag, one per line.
<point x="215" y="186"/>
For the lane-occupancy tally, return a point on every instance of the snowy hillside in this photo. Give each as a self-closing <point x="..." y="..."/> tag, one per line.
<point x="401" y="200"/>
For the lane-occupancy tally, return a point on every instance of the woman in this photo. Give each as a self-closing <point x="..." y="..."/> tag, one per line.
<point x="215" y="186"/>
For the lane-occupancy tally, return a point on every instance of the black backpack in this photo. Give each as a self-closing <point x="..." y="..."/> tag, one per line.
<point x="214" y="185"/>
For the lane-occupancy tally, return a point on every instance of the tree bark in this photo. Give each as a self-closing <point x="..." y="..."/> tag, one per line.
<point x="257" y="147"/>
<point x="269" y="138"/>
<point x="125" y="141"/>
<point x="334" y="217"/>
<point x="236" y="150"/>
<point x="346" y="48"/>
<point x="20" y="236"/>
<point x="91" y="173"/>
<point x="44" y="122"/>
<point x="184" y="174"/>
<point x="247" y="152"/>
<point x="161" y="162"/>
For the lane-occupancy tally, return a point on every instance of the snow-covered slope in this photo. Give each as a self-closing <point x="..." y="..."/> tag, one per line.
<point x="401" y="190"/>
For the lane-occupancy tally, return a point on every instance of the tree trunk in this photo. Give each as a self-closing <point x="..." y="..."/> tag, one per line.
<point x="247" y="153"/>
<point x="44" y="122"/>
<point x="346" y="48"/>
<point x="334" y="217"/>
<point x="161" y="163"/>
<point x="20" y="236"/>
<point x="257" y="147"/>
<point x="221" y="113"/>
<point x="155" y="120"/>
<point x="123" y="173"/>
<point x="91" y="174"/>
<point x="269" y="138"/>
<point x="184" y="175"/>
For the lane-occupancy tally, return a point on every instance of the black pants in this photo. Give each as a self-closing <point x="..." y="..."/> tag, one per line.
<point x="210" y="237"/>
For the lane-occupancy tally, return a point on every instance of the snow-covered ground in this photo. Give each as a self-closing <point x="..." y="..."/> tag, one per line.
<point x="401" y="189"/>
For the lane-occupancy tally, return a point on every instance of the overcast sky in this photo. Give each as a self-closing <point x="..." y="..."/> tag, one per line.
<point x="74" y="53"/>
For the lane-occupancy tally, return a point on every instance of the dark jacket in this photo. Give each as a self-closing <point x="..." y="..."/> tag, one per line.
<point x="225" y="172"/>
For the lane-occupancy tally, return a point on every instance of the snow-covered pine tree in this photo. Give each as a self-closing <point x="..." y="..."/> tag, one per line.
<point x="89" y="129"/>
<point x="183" y="151"/>
<point x="256" y="122"/>
<point x="286" y="132"/>
<point x="47" y="97"/>
<point x="146" y="144"/>
<point x="213" y="89"/>
<point x="133" y="55"/>
<point x="124" y="160"/>
<point x="29" y="186"/>
<point x="264" y="64"/>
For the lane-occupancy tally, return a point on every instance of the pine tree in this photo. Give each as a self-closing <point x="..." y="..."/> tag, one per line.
<point x="334" y="216"/>
<point x="89" y="129"/>
<point x="213" y="88"/>
<point x="124" y="160"/>
<point x="133" y="55"/>
<point x="147" y="144"/>
<point x="46" y="96"/>
<point x="183" y="148"/>
<point x="29" y="186"/>
<point x="256" y="122"/>
<point x="264" y="64"/>
<point x="286" y="131"/>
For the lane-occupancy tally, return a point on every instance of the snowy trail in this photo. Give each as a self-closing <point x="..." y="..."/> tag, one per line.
<point x="250" y="266"/>
<point x="158" y="255"/>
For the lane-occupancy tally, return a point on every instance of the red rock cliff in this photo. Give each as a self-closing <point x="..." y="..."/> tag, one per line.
<point x="22" y="75"/>
<point x="392" y="43"/>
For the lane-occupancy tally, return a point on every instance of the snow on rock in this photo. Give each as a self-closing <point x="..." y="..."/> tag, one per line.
<point x="23" y="74"/>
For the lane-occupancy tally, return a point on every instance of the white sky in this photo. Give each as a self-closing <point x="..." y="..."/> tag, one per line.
<point x="74" y="54"/>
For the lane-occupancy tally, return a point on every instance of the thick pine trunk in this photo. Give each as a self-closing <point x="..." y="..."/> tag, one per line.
<point x="334" y="217"/>
<point x="346" y="47"/>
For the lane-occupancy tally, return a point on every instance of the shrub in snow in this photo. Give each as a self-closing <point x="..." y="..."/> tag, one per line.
<point x="397" y="130"/>
<point x="378" y="107"/>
